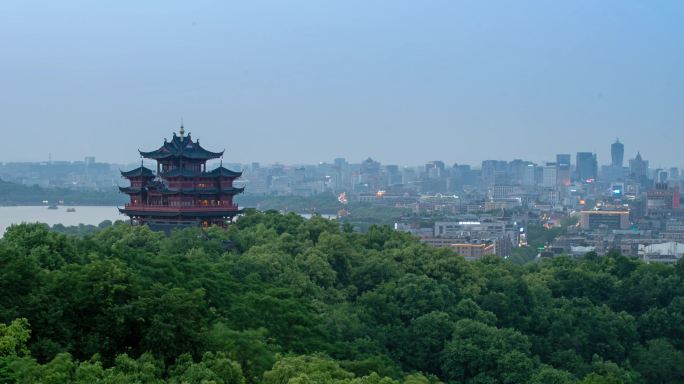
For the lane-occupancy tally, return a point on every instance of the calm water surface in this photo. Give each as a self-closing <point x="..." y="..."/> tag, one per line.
<point x="40" y="214"/>
<point x="83" y="215"/>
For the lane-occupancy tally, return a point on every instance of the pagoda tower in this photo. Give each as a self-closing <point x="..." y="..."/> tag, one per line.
<point x="182" y="192"/>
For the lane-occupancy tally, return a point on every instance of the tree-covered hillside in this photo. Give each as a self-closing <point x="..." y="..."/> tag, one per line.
<point x="279" y="299"/>
<point x="18" y="194"/>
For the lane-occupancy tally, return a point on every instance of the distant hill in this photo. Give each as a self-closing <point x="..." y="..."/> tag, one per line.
<point x="18" y="194"/>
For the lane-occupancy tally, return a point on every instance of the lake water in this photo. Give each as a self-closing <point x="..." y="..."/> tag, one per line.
<point x="40" y="214"/>
<point x="83" y="215"/>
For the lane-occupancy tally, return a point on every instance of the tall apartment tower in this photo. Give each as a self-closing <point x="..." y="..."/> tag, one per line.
<point x="617" y="153"/>
<point x="587" y="166"/>
<point x="563" y="169"/>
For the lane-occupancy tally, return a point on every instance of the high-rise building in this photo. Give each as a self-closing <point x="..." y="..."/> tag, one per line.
<point x="393" y="174"/>
<point x="370" y="175"/>
<point x="638" y="167"/>
<point x="408" y="175"/>
<point x="494" y="172"/>
<point x="615" y="171"/>
<point x="299" y="174"/>
<point x="434" y="169"/>
<point x="563" y="167"/>
<point x="516" y="169"/>
<point x="587" y="166"/>
<point x="660" y="176"/>
<point x="563" y="160"/>
<point x="549" y="176"/>
<point x="340" y="162"/>
<point x="617" y="153"/>
<point x="674" y="173"/>
<point x="528" y="176"/>
<point x="463" y="175"/>
<point x="342" y="174"/>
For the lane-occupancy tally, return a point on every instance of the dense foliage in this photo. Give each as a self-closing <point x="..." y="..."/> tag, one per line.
<point x="361" y="215"/>
<point x="280" y="299"/>
<point x="82" y="229"/>
<point x="323" y="203"/>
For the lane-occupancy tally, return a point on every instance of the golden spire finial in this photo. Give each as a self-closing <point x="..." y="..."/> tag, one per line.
<point x="182" y="130"/>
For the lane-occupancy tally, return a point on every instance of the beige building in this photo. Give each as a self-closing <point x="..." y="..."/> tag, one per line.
<point x="474" y="251"/>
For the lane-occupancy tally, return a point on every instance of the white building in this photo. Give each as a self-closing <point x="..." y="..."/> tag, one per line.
<point x="661" y="253"/>
<point x="549" y="176"/>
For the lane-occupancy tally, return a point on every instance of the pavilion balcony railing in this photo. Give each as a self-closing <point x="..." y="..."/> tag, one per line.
<point x="181" y="208"/>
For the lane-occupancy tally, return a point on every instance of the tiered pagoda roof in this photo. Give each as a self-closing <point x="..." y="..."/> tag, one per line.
<point x="138" y="172"/>
<point x="181" y="146"/>
<point x="218" y="172"/>
<point x="130" y="189"/>
<point x="182" y="192"/>
<point x="222" y="171"/>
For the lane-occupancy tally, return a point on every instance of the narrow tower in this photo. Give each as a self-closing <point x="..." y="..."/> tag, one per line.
<point x="617" y="153"/>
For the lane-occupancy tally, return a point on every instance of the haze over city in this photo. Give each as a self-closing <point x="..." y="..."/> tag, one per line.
<point x="301" y="82"/>
<point x="342" y="192"/>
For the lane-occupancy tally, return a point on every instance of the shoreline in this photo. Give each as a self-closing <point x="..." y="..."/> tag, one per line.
<point x="59" y="205"/>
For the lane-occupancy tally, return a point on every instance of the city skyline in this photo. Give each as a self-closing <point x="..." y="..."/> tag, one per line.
<point x="298" y="82"/>
<point x="342" y="192"/>
<point x="475" y="165"/>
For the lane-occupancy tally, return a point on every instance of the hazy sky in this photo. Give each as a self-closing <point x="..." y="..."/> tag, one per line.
<point x="306" y="81"/>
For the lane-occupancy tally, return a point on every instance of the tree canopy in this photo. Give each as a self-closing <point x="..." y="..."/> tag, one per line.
<point x="282" y="299"/>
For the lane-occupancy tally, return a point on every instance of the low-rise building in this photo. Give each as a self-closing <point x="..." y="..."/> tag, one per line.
<point x="473" y="251"/>
<point x="591" y="220"/>
<point x="669" y="252"/>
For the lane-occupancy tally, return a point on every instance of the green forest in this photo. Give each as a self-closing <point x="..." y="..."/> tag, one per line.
<point x="279" y="299"/>
<point x="359" y="214"/>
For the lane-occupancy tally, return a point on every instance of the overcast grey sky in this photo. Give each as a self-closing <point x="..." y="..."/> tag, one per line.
<point x="307" y="81"/>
